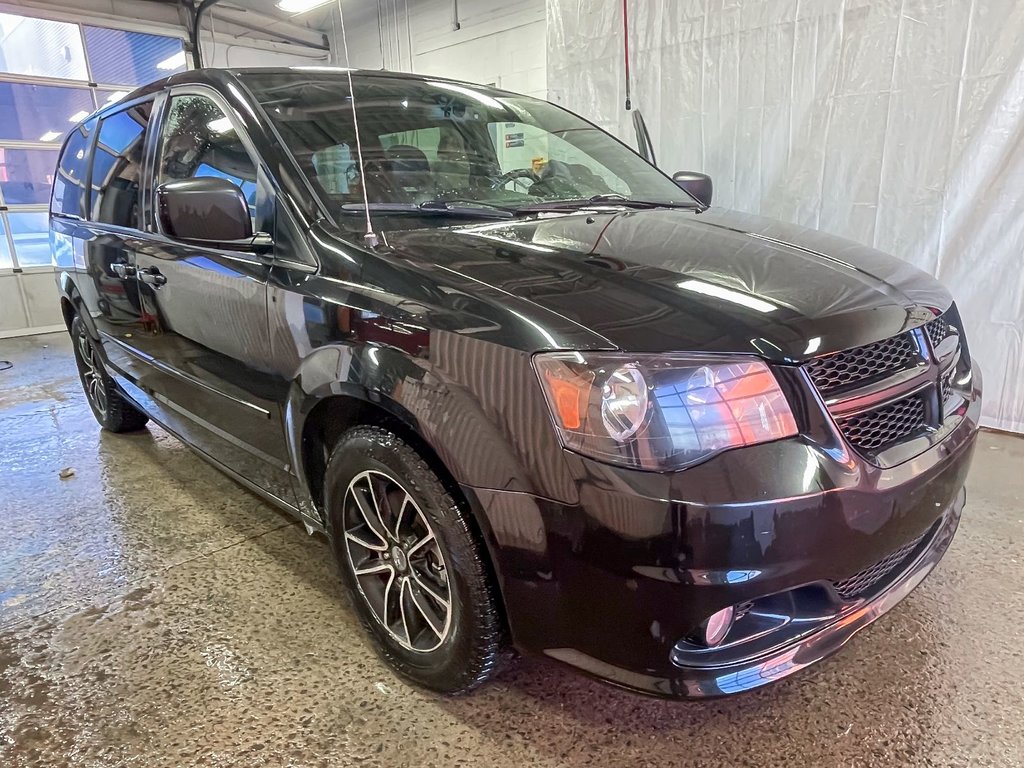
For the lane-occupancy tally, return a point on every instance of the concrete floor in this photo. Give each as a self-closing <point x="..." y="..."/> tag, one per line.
<point x="154" y="613"/>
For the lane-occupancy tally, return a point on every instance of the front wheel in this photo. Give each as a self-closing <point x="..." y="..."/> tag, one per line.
<point x="413" y="566"/>
<point x="111" y="409"/>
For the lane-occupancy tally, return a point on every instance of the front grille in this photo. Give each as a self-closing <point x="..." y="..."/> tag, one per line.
<point x="947" y="387"/>
<point x="874" y="429"/>
<point x="862" y="365"/>
<point x="937" y="330"/>
<point x="856" y="585"/>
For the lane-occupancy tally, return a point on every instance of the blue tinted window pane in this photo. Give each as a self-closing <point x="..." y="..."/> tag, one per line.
<point x="41" y="112"/>
<point x="31" y="234"/>
<point x="132" y="58"/>
<point x="26" y="175"/>
<point x="41" y="47"/>
<point x="5" y="250"/>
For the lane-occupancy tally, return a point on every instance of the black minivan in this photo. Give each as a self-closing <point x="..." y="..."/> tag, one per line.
<point x="535" y="392"/>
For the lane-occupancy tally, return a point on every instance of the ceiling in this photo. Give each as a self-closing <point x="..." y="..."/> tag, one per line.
<point x="318" y="19"/>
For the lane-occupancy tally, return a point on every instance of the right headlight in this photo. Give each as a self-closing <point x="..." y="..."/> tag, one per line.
<point x="661" y="412"/>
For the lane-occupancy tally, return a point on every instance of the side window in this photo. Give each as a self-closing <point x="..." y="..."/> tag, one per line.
<point x="117" y="166"/>
<point x="199" y="140"/>
<point x="69" y="183"/>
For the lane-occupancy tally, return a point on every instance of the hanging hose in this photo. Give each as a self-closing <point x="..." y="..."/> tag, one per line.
<point x="625" y="47"/>
<point x="197" y="45"/>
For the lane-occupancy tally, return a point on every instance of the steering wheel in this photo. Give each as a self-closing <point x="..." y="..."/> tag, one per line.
<point x="517" y="175"/>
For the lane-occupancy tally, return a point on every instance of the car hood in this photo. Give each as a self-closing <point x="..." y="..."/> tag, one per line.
<point x="677" y="280"/>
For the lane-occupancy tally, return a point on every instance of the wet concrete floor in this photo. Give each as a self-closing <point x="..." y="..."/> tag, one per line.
<point x="154" y="613"/>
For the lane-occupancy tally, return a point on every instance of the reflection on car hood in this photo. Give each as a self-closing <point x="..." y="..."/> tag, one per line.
<point x="674" y="280"/>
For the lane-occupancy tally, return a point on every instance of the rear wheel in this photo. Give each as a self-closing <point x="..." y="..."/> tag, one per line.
<point x="111" y="409"/>
<point x="413" y="566"/>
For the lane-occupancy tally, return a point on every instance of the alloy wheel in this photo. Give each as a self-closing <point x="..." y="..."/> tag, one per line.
<point x="91" y="368"/>
<point x="397" y="560"/>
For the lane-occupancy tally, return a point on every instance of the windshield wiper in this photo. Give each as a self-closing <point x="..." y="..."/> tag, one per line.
<point x="433" y="208"/>
<point x="612" y="199"/>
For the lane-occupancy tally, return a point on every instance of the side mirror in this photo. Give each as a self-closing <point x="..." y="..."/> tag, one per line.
<point x="204" y="209"/>
<point x="697" y="184"/>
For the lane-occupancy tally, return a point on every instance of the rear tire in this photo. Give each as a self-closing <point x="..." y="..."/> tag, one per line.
<point x="413" y="566"/>
<point x="111" y="409"/>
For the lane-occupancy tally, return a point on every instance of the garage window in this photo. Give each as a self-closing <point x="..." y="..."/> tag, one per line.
<point x="53" y="74"/>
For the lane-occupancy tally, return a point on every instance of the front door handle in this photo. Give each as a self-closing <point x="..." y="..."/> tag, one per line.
<point x="152" y="276"/>
<point x="123" y="271"/>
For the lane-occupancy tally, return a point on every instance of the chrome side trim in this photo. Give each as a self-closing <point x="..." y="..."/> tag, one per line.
<point x="179" y="374"/>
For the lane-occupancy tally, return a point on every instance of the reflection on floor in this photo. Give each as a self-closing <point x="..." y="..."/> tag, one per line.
<point x="152" y="612"/>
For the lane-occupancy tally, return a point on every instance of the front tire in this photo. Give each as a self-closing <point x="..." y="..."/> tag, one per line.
<point x="413" y="566"/>
<point x="111" y="409"/>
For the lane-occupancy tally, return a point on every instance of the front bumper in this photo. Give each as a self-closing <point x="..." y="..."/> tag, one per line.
<point x="617" y="583"/>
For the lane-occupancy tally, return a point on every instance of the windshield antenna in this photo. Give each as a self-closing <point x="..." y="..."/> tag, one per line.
<point x="370" y="238"/>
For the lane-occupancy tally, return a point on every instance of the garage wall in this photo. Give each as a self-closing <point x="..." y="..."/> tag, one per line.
<point x="897" y="123"/>
<point x="497" y="42"/>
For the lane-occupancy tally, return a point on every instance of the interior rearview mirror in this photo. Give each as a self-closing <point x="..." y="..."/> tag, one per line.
<point x="205" y="209"/>
<point x="697" y="184"/>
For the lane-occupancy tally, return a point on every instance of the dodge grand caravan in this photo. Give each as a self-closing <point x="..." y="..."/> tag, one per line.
<point x="534" y="391"/>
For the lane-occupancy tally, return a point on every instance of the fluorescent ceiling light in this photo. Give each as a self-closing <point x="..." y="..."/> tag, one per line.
<point x="78" y="117"/>
<point x="220" y="125"/>
<point x="300" y="6"/>
<point x="727" y="294"/>
<point x="49" y="136"/>
<point x="115" y="96"/>
<point x="173" y="62"/>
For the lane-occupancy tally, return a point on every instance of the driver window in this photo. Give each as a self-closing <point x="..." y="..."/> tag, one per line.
<point x="199" y="140"/>
<point x="522" y="146"/>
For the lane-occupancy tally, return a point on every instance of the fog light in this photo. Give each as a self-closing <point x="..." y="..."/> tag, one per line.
<point x="717" y="627"/>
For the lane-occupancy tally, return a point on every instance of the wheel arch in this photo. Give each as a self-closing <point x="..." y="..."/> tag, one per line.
<point x="337" y="389"/>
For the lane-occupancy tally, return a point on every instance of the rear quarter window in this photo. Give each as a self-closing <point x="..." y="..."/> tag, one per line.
<point x="70" y="182"/>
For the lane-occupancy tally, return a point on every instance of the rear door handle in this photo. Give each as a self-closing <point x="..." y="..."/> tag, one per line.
<point x="152" y="276"/>
<point x="123" y="271"/>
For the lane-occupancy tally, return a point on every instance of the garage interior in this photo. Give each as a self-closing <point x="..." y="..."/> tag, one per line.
<point x="153" y="612"/>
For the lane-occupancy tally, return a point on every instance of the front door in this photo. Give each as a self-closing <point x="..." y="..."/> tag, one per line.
<point x="205" y="309"/>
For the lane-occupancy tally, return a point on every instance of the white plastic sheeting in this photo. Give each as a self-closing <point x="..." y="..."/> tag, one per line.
<point x="897" y="123"/>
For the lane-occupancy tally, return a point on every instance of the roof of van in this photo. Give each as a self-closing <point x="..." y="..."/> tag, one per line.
<point x="216" y="76"/>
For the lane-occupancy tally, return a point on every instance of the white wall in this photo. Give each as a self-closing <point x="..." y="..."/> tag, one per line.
<point x="498" y="42"/>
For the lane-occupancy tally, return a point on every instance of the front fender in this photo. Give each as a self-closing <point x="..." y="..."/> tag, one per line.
<point x="476" y="404"/>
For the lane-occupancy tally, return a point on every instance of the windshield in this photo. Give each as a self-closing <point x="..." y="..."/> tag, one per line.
<point x="429" y="141"/>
